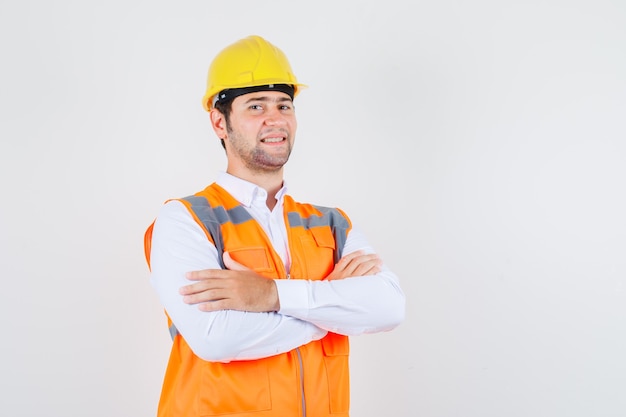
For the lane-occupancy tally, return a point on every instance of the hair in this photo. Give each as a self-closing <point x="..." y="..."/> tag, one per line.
<point x="224" y="107"/>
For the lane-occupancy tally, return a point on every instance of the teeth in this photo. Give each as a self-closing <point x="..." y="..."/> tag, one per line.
<point x="272" y="140"/>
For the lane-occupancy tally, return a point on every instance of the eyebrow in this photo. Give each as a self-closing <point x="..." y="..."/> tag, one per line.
<point x="267" y="98"/>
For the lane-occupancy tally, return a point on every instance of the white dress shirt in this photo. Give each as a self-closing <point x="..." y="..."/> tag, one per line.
<point x="308" y="309"/>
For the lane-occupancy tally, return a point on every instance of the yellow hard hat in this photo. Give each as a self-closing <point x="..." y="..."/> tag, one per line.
<point x="249" y="62"/>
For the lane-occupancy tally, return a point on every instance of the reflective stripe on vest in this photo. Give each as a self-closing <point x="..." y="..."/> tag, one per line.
<point x="330" y="217"/>
<point x="214" y="217"/>
<point x="173" y="331"/>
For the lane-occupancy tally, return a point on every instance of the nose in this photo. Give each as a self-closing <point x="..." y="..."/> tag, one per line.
<point x="274" y="117"/>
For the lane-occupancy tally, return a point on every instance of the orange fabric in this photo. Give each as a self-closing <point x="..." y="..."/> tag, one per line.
<point x="315" y="375"/>
<point x="147" y="242"/>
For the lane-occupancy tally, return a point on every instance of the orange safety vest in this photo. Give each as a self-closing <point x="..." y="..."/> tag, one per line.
<point x="311" y="380"/>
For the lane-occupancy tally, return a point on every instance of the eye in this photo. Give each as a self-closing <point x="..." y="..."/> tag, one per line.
<point x="256" y="107"/>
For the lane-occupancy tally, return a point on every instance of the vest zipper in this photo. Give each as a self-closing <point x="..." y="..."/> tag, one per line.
<point x="301" y="381"/>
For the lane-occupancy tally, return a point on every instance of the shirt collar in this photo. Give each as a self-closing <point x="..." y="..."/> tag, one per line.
<point x="244" y="191"/>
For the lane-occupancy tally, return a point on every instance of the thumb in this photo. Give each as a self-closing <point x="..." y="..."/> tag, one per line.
<point x="233" y="265"/>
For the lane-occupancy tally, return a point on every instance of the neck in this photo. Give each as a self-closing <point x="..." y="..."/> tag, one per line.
<point x="271" y="182"/>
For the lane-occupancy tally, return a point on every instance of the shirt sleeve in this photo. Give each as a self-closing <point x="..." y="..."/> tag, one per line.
<point x="350" y="306"/>
<point x="180" y="245"/>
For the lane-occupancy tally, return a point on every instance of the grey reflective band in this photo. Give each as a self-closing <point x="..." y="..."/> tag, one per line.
<point x="330" y="217"/>
<point x="173" y="331"/>
<point x="213" y="217"/>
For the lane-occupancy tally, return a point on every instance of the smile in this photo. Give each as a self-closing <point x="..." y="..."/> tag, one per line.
<point x="272" y="140"/>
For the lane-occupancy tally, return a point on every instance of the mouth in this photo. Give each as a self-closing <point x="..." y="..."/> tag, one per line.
<point x="273" y="139"/>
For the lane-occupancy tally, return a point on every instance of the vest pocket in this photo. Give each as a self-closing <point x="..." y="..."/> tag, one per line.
<point x="336" y="349"/>
<point x="234" y="387"/>
<point x="257" y="258"/>
<point x="319" y="247"/>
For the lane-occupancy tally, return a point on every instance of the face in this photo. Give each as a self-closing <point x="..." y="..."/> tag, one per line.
<point x="261" y="130"/>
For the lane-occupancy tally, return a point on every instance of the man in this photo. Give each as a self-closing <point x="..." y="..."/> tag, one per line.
<point x="261" y="292"/>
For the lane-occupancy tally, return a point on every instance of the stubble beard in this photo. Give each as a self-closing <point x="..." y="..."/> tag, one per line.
<point x="257" y="159"/>
<point x="260" y="160"/>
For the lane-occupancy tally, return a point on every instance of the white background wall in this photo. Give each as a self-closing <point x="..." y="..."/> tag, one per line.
<point x="480" y="145"/>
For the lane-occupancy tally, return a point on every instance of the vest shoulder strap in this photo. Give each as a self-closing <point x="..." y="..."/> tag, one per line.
<point x="212" y="218"/>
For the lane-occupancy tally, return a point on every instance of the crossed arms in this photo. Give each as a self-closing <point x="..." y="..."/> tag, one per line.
<point x="236" y="314"/>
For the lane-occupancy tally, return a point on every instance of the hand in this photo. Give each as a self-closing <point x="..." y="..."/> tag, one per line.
<point x="235" y="288"/>
<point x="356" y="264"/>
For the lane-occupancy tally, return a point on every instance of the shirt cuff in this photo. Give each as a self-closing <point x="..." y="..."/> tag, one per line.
<point x="293" y="296"/>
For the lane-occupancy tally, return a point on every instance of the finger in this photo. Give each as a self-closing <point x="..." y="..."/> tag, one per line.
<point x="214" y="305"/>
<point x="233" y="265"/>
<point x="364" y="270"/>
<point x="208" y="296"/>
<point x="202" y="274"/>
<point x="200" y="286"/>
<point x="189" y="289"/>
<point x="367" y="265"/>
<point x="346" y="259"/>
<point x="361" y="261"/>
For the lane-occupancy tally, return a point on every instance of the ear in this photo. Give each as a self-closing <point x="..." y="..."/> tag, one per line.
<point x="218" y="123"/>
